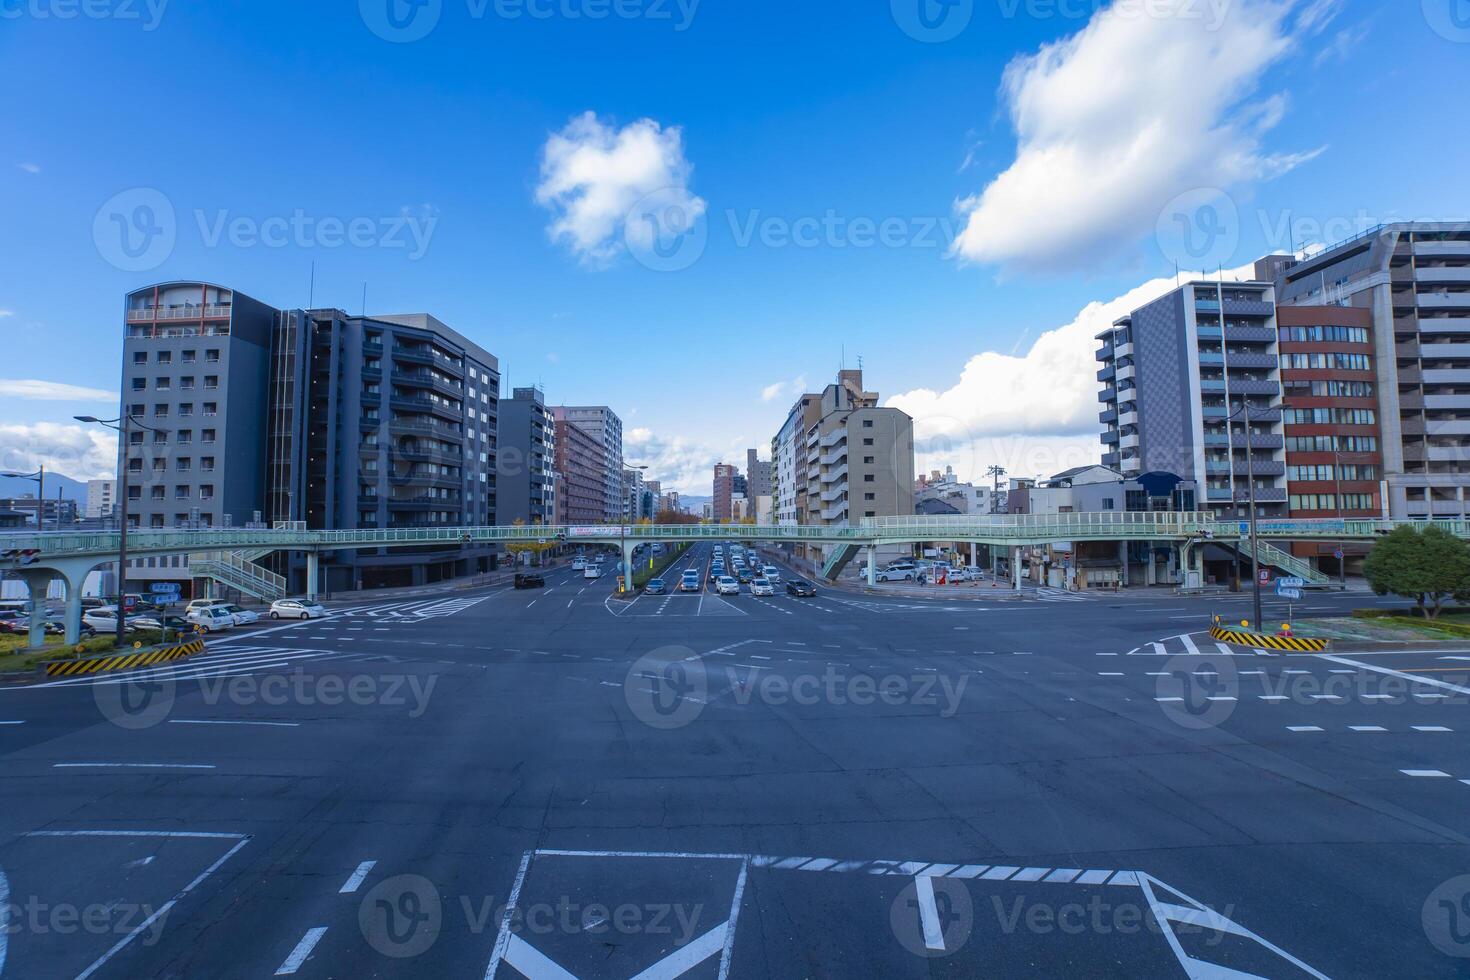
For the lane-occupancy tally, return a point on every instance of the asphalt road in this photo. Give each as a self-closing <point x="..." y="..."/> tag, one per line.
<point x="554" y="782"/>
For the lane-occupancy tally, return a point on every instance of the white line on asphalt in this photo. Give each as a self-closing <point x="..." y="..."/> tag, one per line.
<point x="1303" y="728"/>
<point x="1189" y="645"/>
<point x="1430" y="681"/>
<point x="1425" y="772"/>
<point x="128" y="765"/>
<point x="302" y="951"/>
<point x="12" y="723"/>
<point x="1110" y="673"/>
<point x="1430" y="728"/>
<point x="209" y="721"/>
<point x="928" y="914"/>
<point x="166" y="907"/>
<point x="357" y="878"/>
<point x="1367" y="728"/>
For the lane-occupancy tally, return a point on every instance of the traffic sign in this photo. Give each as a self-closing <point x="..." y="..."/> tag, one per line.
<point x="1337" y="554"/>
<point x="1265" y="574"/>
<point x="1289" y="582"/>
<point x="1288" y="593"/>
<point x="163" y="588"/>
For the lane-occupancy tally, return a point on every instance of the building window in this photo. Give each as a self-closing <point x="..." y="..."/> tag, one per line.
<point x="162" y="384"/>
<point x="211" y="382"/>
<point x="135" y="493"/>
<point x="1107" y="503"/>
<point x="206" y="491"/>
<point x="207" y="435"/>
<point x="206" y="464"/>
<point x="135" y="438"/>
<point x="134" y="466"/>
<point x="867" y="478"/>
<point x="186" y="383"/>
<point x="211" y="356"/>
<point x="140" y="357"/>
<point x="185" y="436"/>
<point x="159" y="465"/>
<point x="165" y="357"/>
<point x="868" y="442"/>
<point x="140" y="384"/>
<point x="182" y="464"/>
<point x="867" y="423"/>
<point x="181" y="493"/>
<point x="156" y="520"/>
<point x="187" y="357"/>
<point x="211" y="408"/>
<point x="160" y="411"/>
<point x="160" y="437"/>
<point x="155" y="493"/>
<point x="870" y="496"/>
<point x="186" y="409"/>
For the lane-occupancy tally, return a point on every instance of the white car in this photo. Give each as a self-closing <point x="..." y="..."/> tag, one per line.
<point x="297" y="609"/>
<point x="762" y="586"/>
<point x="211" y="618"/>
<point x="201" y="603"/>
<point x="243" y="617"/>
<point x="578" y="564"/>
<point x="727" y="586"/>
<point x="103" y="619"/>
<point x="772" y="573"/>
<point x="689" y="582"/>
<point x="592" y="571"/>
<point x="897" y="573"/>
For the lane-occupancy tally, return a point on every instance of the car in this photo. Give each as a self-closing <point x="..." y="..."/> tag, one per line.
<point x="176" y="623"/>
<point x="209" y="619"/>
<point x="772" y="573"/>
<point x="655" y="586"/>
<point x="201" y="603"/>
<point x="744" y="575"/>
<point x="689" y="582"/>
<point x="297" y="609"/>
<point x="899" y="574"/>
<point x="592" y="571"/>
<point x="243" y="616"/>
<point x="800" y="587"/>
<point x="727" y="586"/>
<point x="529" y="580"/>
<point x="103" y="619"/>
<point x="762" y="586"/>
<point x="578" y="564"/>
<point x="14" y="621"/>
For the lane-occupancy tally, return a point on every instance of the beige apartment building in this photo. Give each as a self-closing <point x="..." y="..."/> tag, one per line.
<point x="840" y="458"/>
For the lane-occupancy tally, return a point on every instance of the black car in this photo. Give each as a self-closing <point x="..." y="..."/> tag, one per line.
<point x="529" y="580"/>
<point x="798" y="587"/>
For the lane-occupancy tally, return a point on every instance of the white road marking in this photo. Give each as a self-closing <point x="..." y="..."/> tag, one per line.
<point x="207" y="721"/>
<point x="1430" y="681"/>
<point x="1303" y="728"/>
<point x="302" y="951"/>
<point x="357" y="878"/>
<point x="128" y="765"/>
<point x="1189" y="645"/>
<point x="1367" y="728"/>
<point x="1431" y="728"/>
<point x="928" y="913"/>
<point x="12" y="723"/>
<point x="1425" y="772"/>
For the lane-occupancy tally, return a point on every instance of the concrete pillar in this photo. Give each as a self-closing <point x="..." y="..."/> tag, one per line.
<point x="1016" y="567"/>
<point x="872" y="564"/>
<point x="974" y="555"/>
<point x="1123" y="563"/>
<point x="72" y="620"/>
<point x="313" y="574"/>
<point x="38" y="581"/>
<point x="628" y="565"/>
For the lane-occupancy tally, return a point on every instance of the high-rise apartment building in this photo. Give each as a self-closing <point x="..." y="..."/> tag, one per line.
<point x="581" y="468"/>
<point x="757" y="475"/>
<point x="604" y="426"/>
<point x="101" y="496"/>
<point x="334" y="421"/>
<point x="525" y="483"/>
<point x="1189" y="380"/>
<point x="788" y="461"/>
<point x="1413" y="280"/>
<point x="724" y="491"/>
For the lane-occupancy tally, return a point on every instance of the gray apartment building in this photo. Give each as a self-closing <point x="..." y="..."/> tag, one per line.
<point x="604" y="426"/>
<point x="526" y="482"/>
<point x="581" y="473"/>
<point x="1189" y="381"/>
<point x="316" y="417"/>
<point x="1414" y="279"/>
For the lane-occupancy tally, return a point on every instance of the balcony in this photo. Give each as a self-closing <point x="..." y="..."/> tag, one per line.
<point x="1123" y="350"/>
<point x="1439" y="249"/>
<point x="423" y="379"/>
<point x="1443" y="325"/>
<point x="1110" y="437"/>
<point x="149" y="314"/>
<point x="1404" y="299"/>
<point x="1448" y="454"/>
<point x="1110" y="459"/>
<point x="372" y="348"/>
<point x="1443" y="375"/>
<point x="1415" y="452"/>
<point x="427" y="454"/>
<point x="1126" y="372"/>
<point x="1437" y="352"/>
<point x="1250" y="386"/>
<point x="1249" y="335"/>
<point x="1107" y="373"/>
<point x="1438" y="427"/>
<point x="416" y="404"/>
<point x="1444" y="301"/>
<point x="1107" y="415"/>
<point x="1411" y="400"/>
<point x="1410" y="348"/>
<point x="368" y="501"/>
<point x="1108" y="394"/>
<point x="1443" y="273"/>
<point x="1214" y="386"/>
<point x="1414" y="425"/>
<point x="1249" y="359"/>
<point x="422" y="503"/>
<point x="1443" y="401"/>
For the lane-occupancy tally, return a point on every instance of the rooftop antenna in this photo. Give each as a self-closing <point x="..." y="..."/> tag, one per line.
<point x="311" y="288"/>
<point x="364" y="298"/>
<point x="1176" y="274"/>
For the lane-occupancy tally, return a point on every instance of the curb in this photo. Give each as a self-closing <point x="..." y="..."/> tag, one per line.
<point x="98" y="665"/>
<point x="1260" y="640"/>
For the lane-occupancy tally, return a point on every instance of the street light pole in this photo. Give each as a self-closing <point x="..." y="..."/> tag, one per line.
<point x="1337" y="495"/>
<point x="40" y="477"/>
<point x="1250" y="477"/>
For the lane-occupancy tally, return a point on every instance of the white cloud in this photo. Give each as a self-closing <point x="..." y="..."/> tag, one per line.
<point x="30" y="168"/>
<point x="5" y="313"/>
<point x="1033" y="413"/>
<point x="776" y="389"/>
<point x="52" y="391"/>
<point x="680" y="464"/>
<point x="592" y="175"/>
<point x="1117" y="120"/>
<point x="80" y="452"/>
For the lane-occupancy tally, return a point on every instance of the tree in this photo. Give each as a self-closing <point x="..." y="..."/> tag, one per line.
<point x="1428" y="566"/>
<point x="524" y="545"/>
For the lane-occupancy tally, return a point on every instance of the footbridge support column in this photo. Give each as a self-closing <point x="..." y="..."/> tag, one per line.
<point x="872" y="565"/>
<point x="1016" y="567"/>
<point x="313" y="574"/>
<point x="73" y="574"/>
<point x="628" y="547"/>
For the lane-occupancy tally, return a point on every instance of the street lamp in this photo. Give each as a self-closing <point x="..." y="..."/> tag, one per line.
<point x="40" y="477"/>
<point x="1250" y="478"/>
<point x="122" y="424"/>
<point x="623" y="541"/>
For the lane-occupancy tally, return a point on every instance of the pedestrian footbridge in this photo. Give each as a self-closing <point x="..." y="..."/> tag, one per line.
<point x="228" y="553"/>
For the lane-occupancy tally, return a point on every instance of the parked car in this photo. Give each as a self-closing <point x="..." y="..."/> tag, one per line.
<point x="176" y="623"/>
<point x="297" y="609"/>
<point x="762" y="586"/>
<point x="14" y="621"/>
<point x="103" y="619"/>
<point x="529" y="580"/>
<point x="655" y="586"/>
<point x="243" y="616"/>
<point x="800" y="587"/>
<point x="211" y="619"/>
<point x="727" y="586"/>
<point x="903" y="572"/>
<point x="201" y="603"/>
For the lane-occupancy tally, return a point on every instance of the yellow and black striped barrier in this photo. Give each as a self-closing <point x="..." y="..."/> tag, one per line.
<point x="1300" y="644"/>
<point x="98" y="665"/>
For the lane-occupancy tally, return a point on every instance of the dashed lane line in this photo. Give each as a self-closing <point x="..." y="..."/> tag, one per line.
<point x="302" y="951"/>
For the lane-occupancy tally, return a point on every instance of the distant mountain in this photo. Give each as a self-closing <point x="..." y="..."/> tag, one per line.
<point x="15" y="486"/>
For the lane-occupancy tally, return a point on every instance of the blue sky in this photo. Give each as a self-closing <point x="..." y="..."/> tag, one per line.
<point x="1314" y="116"/>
